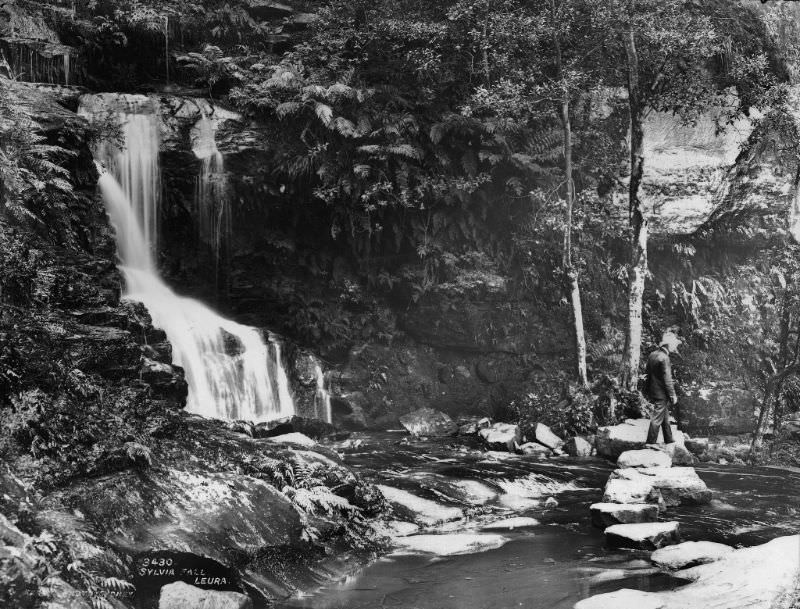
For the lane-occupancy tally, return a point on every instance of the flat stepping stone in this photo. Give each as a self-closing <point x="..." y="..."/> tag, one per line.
<point x="630" y="490"/>
<point x="642" y="536"/>
<point x="622" y="599"/>
<point x="612" y="441"/>
<point x="450" y="544"/>
<point x="644" y="458"/>
<point x="689" y="554"/>
<point x="677" y="485"/>
<point x="608" y="514"/>
<point x="509" y="524"/>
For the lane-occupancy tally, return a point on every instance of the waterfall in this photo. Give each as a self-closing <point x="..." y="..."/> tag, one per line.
<point x="231" y="370"/>
<point x="322" y="399"/>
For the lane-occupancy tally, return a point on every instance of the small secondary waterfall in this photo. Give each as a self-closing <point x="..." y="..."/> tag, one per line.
<point x="211" y="198"/>
<point x="232" y="372"/>
<point x="322" y="399"/>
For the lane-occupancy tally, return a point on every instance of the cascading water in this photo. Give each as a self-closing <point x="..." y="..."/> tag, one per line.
<point x="211" y="200"/>
<point x="232" y="372"/>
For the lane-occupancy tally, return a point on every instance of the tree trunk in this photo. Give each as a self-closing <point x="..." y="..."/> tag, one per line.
<point x="763" y="416"/>
<point x="572" y="287"/>
<point x="629" y="371"/>
<point x="485" y="52"/>
<point x="570" y="274"/>
<point x="771" y="393"/>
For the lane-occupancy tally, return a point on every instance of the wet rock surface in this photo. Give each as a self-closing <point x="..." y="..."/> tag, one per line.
<point x="183" y="596"/>
<point x="545" y="436"/>
<point x="760" y="577"/>
<point x="677" y="485"/>
<point x="689" y="554"/>
<point x="428" y="422"/>
<point x="644" y="458"/>
<point x="608" y="514"/>
<point x="501" y="436"/>
<point x="612" y="441"/>
<point x="312" y="428"/>
<point x="578" y="446"/>
<point x="230" y="496"/>
<point x="644" y="536"/>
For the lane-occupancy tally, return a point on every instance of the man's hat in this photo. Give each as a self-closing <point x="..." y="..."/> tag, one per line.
<point x="671" y="340"/>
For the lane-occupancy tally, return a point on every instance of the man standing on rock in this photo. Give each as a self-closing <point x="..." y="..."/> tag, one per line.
<point x="659" y="388"/>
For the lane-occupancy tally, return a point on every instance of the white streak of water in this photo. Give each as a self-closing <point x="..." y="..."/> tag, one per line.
<point x="322" y="399"/>
<point x="211" y="198"/>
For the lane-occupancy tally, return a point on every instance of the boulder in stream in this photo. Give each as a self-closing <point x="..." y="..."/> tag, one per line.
<point x="608" y="514"/>
<point x="180" y="595"/>
<point x="295" y="438"/>
<point x="535" y="449"/>
<point x="428" y="422"/>
<point x="578" y="446"/>
<point x="313" y="428"/>
<point x="501" y="436"/>
<point x="678" y="453"/>
<point x="643" y="535"/>
<point x="545" y="436"/>
<point x="689" y="554"/>
<point x="697" y="446"/>
<point x="469" y="426"/>
<point x="644" y="458"/>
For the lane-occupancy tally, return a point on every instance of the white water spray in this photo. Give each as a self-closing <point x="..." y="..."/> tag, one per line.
<point x="232" y="372"/>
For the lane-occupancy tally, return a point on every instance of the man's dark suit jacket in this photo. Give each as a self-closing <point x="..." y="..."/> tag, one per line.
<point x="659" y="385"/>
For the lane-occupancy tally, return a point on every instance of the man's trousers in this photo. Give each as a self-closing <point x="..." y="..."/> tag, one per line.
<point x="660" y="418"/>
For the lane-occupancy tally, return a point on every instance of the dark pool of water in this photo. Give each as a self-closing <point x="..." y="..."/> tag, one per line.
<point x="548" y="566"/>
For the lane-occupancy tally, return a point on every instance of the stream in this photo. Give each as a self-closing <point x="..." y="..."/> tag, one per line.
<point x="456" y="550"/>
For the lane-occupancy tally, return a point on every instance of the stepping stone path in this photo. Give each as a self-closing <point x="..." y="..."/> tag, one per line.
<point x="760" y="577"/>
<point x="644" y="484"/>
